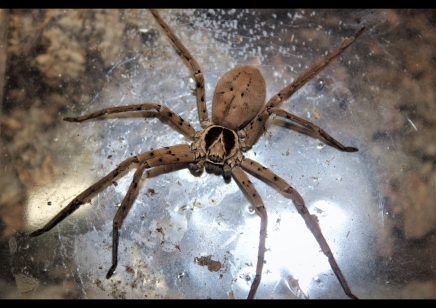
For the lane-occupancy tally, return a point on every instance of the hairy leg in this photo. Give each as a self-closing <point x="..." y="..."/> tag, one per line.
<point x="253" y="129"/>
<point x="198" y="75"/>
<point x="311" y="221"/>
<point x="171" y="116"/>
<point x="250" y="191"/>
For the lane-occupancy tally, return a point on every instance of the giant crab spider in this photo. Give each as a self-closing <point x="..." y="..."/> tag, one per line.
<point x="238" y="119"/>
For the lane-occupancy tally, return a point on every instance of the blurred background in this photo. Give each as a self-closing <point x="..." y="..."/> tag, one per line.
<point x="190" y="236"/>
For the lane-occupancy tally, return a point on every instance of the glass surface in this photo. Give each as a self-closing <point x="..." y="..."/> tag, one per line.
<point x="375" y="207"/>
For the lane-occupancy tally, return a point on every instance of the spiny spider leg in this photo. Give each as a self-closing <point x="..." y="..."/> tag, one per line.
<point x="174" y="118"/>
<point x="169" y="155"/>
<point x="250" y="191"/>
<point x="198" y="75"/>
<point x="253" y="129"/>
<point x="315" y="128"/>
<point x="84" y="197"/>
<point x="125" y="206"/>
<point x="165" y="156"/>
<point x="311" y="221"/>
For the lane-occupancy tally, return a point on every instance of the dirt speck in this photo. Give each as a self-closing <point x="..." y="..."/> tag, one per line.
<point x="161" y="231"/>
<point x="99" y="284"/>
<point x="129" y="270"/>
<point x="150" y="192"/>
<point x="212" y="265"/>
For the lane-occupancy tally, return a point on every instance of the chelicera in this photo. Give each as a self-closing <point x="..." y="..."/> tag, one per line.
<point x="238" y="119"/>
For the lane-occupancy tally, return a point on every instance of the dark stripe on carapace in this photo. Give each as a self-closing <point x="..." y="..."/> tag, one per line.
<point x="215" y="132"/>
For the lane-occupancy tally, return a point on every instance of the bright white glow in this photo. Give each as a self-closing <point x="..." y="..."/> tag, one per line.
<point x="291" y="248"/>
<point x="46" y="201"/>
<point x="411" y="123"/>
<point x="294" y="251"/>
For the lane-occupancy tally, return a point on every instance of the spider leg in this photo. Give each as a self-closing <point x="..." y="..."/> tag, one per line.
<point x="84" y="196"/>
<point x="198" y="75"/>
<point x="171" y="116"/>
<point x="168" y="155"/>
<point x="255" y="127"/>
<point x="250" y="191"/>
<point x="165" y="156"/>
<point x="316" y="129"/>
<point x="125" y="206"/>
<point x="311" y="221"/>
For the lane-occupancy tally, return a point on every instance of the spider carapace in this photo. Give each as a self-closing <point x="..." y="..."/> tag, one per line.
<point x="238" y="119"/>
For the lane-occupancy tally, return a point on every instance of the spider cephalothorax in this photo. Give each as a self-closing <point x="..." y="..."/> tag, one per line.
<point x="217" y="149"/>
<point x="238" y="119"/>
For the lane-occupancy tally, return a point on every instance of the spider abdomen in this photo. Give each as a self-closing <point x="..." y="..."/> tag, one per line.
<point x="238" y="97"/>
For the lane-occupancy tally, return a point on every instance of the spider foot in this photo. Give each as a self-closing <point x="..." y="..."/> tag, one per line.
<point x="111" y="271"/>
<point x="352" y="296"/>
<point x="196" y="168"/>
<point x="350" y="149"/>
<point x="71" y="119"/>
<point x="37" y="232"/>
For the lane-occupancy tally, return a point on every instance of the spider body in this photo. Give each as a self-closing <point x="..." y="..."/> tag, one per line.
<point x="238" y="97"/>
<point x="238" y="118"/>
